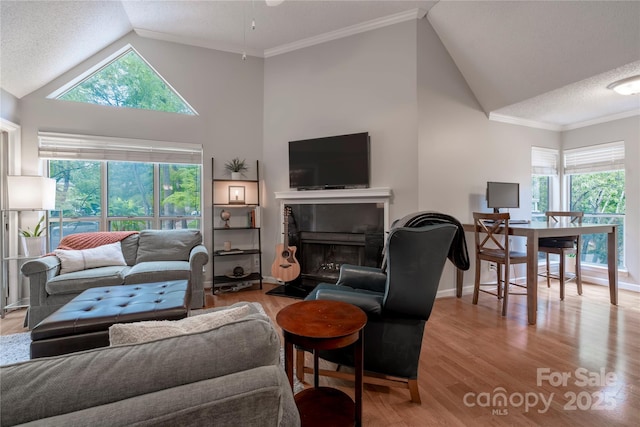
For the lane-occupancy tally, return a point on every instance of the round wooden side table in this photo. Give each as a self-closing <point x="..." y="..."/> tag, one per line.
<point x="324" y="325"/>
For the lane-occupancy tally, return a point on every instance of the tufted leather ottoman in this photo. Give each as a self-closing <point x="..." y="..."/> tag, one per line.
<point x="83" y="323"/>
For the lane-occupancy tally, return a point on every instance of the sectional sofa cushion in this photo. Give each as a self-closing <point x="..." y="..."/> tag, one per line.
<point x="130" y="248"/>
<point x="154" y="271"/>
<point x="153" y="245"/>
<point x="139" y="332"/>
<point x="78" y="281"/>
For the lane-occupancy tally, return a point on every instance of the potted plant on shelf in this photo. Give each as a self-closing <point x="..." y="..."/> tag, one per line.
<point x="236" y="167"/>
<point x="33" y="242"/>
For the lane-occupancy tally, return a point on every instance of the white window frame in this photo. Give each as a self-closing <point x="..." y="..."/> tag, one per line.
<point x="64" y="146"/>
<point x="545" y="162"/>
<point x="106" y="62"/>
<point x="605" y="157"/>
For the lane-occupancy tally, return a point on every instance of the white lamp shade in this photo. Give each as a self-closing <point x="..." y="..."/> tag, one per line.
<point x="31" y="193"/>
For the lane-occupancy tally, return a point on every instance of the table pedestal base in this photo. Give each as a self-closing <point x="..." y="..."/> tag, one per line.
<point x="325" y="406"/>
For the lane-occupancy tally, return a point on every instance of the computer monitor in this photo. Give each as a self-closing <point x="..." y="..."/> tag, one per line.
<point x="503" y="195"/>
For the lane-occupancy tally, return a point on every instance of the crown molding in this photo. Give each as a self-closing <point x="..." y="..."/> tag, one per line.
<point x="8" y="126"/>
<point x="604" y="119"/>
<point x="347" y="31"/>
<point x="496" y="117"/>
<point x="289" y="47"/>
<point x="193" y="41"/>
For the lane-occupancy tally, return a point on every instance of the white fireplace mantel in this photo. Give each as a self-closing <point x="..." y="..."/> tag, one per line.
<point x="352" y="195"/>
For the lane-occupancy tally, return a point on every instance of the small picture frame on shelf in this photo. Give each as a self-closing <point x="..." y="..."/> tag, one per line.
<point x="236" y="194"/>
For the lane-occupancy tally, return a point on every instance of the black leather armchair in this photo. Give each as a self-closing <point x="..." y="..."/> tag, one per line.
<point x="397" y="301"/>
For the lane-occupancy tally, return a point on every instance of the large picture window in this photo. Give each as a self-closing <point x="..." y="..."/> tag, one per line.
<point x="596" y="186"/>
<point x="121" y="184"/>
<point x="116" y="196"/>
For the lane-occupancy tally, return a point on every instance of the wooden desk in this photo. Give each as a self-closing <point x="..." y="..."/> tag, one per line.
<point x="324" y="325"/>
<point x="533" y="232"/>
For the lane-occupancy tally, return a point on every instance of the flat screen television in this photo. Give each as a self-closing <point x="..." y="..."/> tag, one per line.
<point x="332" y="162"/>
<point x="503" y="195"/>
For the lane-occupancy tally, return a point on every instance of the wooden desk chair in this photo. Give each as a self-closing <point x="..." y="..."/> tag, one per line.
<point x="492" y="245"/>
<point x="562" y="246"/>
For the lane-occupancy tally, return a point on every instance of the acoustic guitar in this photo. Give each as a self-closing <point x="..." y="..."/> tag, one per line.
<point x="285" y="267"/>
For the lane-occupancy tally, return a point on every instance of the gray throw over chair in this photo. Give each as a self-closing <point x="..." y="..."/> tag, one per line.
<point x="397" y="300"/>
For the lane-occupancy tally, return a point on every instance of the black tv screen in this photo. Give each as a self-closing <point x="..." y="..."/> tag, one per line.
<point x="329" y="163"/>
<point x="503" y="195"/>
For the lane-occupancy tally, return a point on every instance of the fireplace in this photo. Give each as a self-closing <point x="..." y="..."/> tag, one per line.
<point x="335" y="227"/>
<point x="321" y="254"/>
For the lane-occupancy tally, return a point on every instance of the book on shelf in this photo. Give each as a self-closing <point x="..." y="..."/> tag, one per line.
<point x="232" y="251"/>
<point x="251" y="218"/>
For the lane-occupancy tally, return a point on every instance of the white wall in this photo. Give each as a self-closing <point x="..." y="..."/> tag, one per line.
<point x="366" y="82"/>
<point x="627" y="130"/>
<point x="9" y="107"/>
<point x="226" y="91"/>
<point x="460" y="149"/>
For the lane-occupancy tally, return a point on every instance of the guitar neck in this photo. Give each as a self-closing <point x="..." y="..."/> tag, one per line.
<point x="286" y="230"/>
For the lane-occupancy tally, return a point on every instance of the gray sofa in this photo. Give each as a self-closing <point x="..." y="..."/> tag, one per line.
<point x="227" y="376"/>
<point x="151" y="256"/>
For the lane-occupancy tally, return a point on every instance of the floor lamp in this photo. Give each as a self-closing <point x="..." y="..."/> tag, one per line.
<point x="24" y="193"/>
<point x="31" y="193"/>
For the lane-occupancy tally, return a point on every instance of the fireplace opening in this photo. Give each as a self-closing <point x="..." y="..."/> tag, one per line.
<point x="329" y="235"/>
<point x="322" y="254"/>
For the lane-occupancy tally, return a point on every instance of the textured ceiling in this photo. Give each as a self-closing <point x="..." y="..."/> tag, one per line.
<point x="41" y="40"/>
<point x="579" y="103"/>
<point x="540" y="61"/>
<point x="513" y="52"/>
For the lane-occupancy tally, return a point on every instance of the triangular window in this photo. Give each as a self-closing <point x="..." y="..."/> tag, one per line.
<point x="126" y="81"/>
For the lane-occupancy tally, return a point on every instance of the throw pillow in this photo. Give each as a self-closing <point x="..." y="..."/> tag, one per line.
<point x="101" y="256"/>
<point x="139" y="332"/>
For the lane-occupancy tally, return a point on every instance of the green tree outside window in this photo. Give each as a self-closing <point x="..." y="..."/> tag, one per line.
<point x="131" y="197"/>
<point x="128" y="81"/>
<point x="601" y="196"/>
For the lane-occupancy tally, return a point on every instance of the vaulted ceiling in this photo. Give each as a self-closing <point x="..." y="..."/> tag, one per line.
<point x="546" y="63"/>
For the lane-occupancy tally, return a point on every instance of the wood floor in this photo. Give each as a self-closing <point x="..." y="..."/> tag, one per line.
<point x="472" y="358"/>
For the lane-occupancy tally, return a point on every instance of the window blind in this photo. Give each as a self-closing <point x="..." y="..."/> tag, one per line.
<point x="544" y="161"/>
<point x="88" y="147"/>
<point x="596" y="158"/>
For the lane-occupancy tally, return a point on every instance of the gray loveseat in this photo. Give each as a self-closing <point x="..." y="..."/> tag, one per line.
<point x="227" y="376"/>
<point x="151" y="256"/>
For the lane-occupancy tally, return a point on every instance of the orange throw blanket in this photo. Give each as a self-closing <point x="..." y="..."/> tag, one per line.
<point x="92" y="239"/>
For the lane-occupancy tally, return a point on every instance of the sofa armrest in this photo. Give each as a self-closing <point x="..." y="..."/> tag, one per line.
<point x="40" y="271"/>
<point x="198" y="258"/>
<point x="361" y="277"/>
<point x="40" y="265"/>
